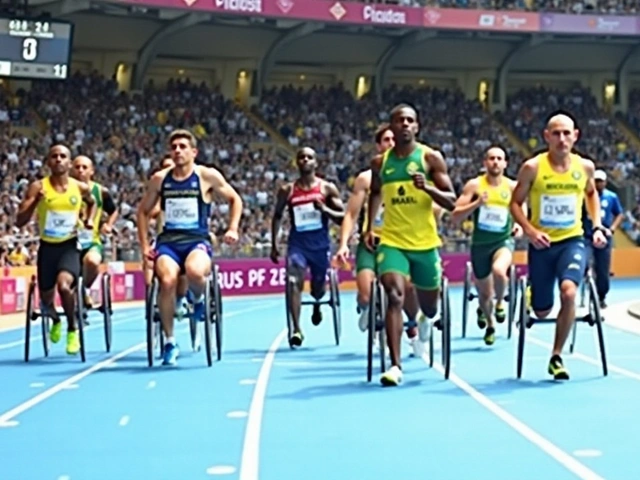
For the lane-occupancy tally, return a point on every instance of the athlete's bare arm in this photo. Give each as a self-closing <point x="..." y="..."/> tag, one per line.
<point x="148" y="202"/>
<point x="29" y="203"/>
<point x="87" y="197"/>
<point x="591" y="198"/>
<point x="334" y="207"/>
<point x="466" y="204"/>
<point x="354" y="206"/>
<point x="526" y="176"/>
<point x="375" y="194"/>
<point x="276" y="220"/>
<point x="443" y="193"/>
<point x="220" y="186"/>
<point x="109" y="206"/>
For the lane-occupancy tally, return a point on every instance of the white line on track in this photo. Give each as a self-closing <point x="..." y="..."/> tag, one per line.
<point x="124" y="421"/>
<point x="562" y="457"/>
<point x="250" y="462"/>
<point x="7" y="417"/>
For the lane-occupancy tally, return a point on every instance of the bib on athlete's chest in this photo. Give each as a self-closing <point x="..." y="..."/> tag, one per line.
<point x="307" y="217"/>
<point x="558" y="211"/>
<point x="492" y="218"/>
<point x="60" y="224"/>
<point x="85" y="237"/>
<point x="181" y="213"/>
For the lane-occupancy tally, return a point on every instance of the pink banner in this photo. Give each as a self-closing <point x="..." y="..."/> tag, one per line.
<point x="333" y="11"/>
<point x="118" y="289"/>
<point x="8" y="299"/>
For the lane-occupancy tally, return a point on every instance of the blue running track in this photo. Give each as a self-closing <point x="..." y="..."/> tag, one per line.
<point x="266" y="412"/>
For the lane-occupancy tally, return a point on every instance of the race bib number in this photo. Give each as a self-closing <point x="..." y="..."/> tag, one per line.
<point x="60" y="224"/>
<point x="492" y="219"/>
<point x="85" y="237"/>
<point x="181" y="213"/>
<point x="558" y="211"/>
<point x="307" y="217"/>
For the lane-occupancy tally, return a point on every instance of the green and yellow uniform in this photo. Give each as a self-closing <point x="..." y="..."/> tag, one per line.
<point x="492" y="225"/>
<point x="409" y="238"/>
<point x="365" y="259"/>
<point x="90" y="238"/>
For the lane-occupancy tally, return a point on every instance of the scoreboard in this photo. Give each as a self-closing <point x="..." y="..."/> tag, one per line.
<point x="35" y="48"/>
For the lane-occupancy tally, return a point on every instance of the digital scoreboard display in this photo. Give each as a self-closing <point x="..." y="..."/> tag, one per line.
<point x="35" y="48"/>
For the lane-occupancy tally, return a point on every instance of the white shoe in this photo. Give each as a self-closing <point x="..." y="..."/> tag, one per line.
<point x="392" y="377"/>
<point x="417" y="347"/>
<point x="363" y="322"/>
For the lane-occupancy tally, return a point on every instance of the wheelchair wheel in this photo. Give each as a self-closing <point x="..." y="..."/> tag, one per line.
<point x="287" y="306"/>
<point x="523" y="321"/>
<point x="193" y="334"/>
<point x="445" y="318"/>
<point x="596" y="318"/>
<point x="150" y="314"/>
<point x="371" y="329"/>
<point x="80" y="311"/>
<point x="335" y="304"/>
<point x="512" y="293"/>
<point x="466" y="297"/>
<point x="216" y="309"/>
<point x="106" y="310"/>
<point x="30" y="318"/>
<point x="208" y="323"/>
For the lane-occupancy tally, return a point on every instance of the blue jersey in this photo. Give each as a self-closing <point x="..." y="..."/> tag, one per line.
<point x="185" y="212"/>
<point x="309" y="226"/>
<point x="610" y="208"/>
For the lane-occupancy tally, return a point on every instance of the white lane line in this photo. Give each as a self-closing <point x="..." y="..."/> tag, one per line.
<point x="237" y="414"/>
<point x="151" y="384"/>
<point x="36" y="384"/>
<point x="221" y="470"/>
<point x="41" y="397"/>
<point x="248" y="381"/>
<point x="124" y="421"/>
<point x="250" y="462"/>
<point x="555" y="452"/>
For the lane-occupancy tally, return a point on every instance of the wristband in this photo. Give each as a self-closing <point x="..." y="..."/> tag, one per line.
<point x="600" y="229"/>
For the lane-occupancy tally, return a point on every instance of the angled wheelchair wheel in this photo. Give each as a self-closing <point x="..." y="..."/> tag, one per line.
<point x="208" y="323"/>
<point x="106" y="310"/>
<point x="150" y="319"/>
<point x="335" y="304"/>
<point x="381" y="327"/>
<point x="216" y="309"/>
<point x="80" y="312"/>
<point x="287" y="307"/>
<point x="371" y="328"/>
<point x="446" y="327"/>
<point x="513" y="296"/>
<point x="466" y="293"/>
<point x="523" y="321"/>
<point x="596" y="317"/>
<point x="29" y="318"/>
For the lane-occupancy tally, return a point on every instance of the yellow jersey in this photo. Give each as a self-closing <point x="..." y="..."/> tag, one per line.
<point x="59" y="213"/>
<point x="492" y="222"/>
<point x="555" y="200"/>
<point x="409" y="222"/>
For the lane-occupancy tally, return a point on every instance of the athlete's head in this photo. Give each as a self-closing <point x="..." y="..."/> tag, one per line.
<point x="404" y="123"/>
<point x="82" y="168"/>
<point x="306" y="160"/>
<point x="495" y="161"/>
<point x="183" y="146"/>
<point x="384" y="138"/>
<point x="561" y="134"/>
<point x="59" y="160"/>
<point x="600" y="177"/>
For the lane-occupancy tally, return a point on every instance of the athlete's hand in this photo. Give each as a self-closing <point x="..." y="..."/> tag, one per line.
<point x="539" y="239"/>
<point x="341" y="255"/>
<point x="106" y="229"/>
<point x="599" y="239"/>
<point x="370" y="241"/>
<point x="230" y="237"/>
<point x="319" y="205"/>
<point x="275" y="254"/>
<point x="419" y="180"/>
<point x="516" y="231"/>
<point x="483" y="198"/>
<point x="88" y="223"/>
<point x="149" y="254"/>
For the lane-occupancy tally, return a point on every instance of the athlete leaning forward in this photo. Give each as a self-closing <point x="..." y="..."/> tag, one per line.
<point x="408" y="178"/>
<point x="366" y="269"/>
<point x="487" y="198"/>
<point x="311" y="202"/>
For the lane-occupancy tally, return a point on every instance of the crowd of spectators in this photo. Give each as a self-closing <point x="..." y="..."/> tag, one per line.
<point x="126" y="133"/>
<point x="594" y="7"/>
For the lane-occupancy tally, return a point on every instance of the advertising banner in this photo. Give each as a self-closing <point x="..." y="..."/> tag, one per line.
<point x="590" y="24"/>
<point x="481" y="20"/>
